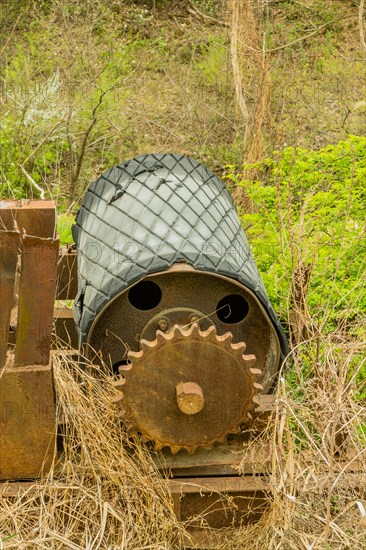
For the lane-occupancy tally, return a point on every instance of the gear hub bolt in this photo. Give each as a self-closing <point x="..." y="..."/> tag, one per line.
<point x="190" y="398"/>
<point x="163" y="324"/>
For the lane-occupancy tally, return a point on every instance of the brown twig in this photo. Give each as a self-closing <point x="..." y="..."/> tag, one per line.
<point x="10" y="35"/>
<point x="195" y="11"/>
<point x="360" y="24"/>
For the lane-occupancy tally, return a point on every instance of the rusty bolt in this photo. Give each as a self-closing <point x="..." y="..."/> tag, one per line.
<point x="190" y="398"/>
<point x="163" y="324"/>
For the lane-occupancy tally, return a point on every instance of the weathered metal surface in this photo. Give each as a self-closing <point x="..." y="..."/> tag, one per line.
<point x="183" y="316"/>
<point x="36" y="298"/>
<point x="225" y="459"/>
<point x="221" y="369"/>
<point x="223" y="502"/>
<point x="27" y="420"/>
<point x="149" y="213"/>
<point x="35" y="217"/>
<point x="183" y="289"/>
<point x="65" y="334"/>
<point x="227" y="484"/>
<point x="66" y="276"/>
<point x="9" y="242"/>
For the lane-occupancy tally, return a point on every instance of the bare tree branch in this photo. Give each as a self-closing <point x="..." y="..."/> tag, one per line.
<point x="234" y="32"/>
<point x="41" y="143"/>
<point x="195" y="11"/>
<point x="29" y="157"/>
<point x="32" y="182"/>
<point x="361" y="25"/>
<point x="10" y="35"/>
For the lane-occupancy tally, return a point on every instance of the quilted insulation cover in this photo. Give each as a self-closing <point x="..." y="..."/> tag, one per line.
<point x="143" y="216"/>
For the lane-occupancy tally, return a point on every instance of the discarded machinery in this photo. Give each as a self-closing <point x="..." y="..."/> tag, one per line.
<point x="170" y="298"/>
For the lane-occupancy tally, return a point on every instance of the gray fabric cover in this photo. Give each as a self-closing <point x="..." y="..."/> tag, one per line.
<point x="143" y="216"/>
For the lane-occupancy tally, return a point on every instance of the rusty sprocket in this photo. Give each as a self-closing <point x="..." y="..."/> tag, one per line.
<point x="188" y="388"/>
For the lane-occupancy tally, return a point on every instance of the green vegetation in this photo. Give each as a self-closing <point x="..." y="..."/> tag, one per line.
<point x="87" y="84"/>
<point x="305" y="212"/>
<point x="308" y="207"/>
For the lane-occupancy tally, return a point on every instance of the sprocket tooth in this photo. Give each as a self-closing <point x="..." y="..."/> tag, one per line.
<point x="135" y="354"/>
<point x="257" y="401"/>
<point x="124" y="368"/>
<point x="158" y="445"/>
<point x="236" y="430"/>
<point x="239" y="346"/>
<point x="227" y="337"/>
<point x="119" y="383"/>
<point x="146" y="344"/>
<point x="256" y="372"/>
<point x="174" y="449"/>
<point x="132" y="427"/>
<point x="223" y="438"/>
<point x="128" y="426"/>
<point x="194" y="327"/>
<point x="208" y="332"/>
<point x="170" y="334"/>
<point x="249" y="360"/>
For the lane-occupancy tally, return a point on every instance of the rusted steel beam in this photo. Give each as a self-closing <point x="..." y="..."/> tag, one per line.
<point x="222" y="459"/>
<point x="27" y="420"/>
<point x="64" y="332"/>
<point x="229" y="484"/>
<point x="9" y="242"/>
<point x="36" y="298"/>
<point x="67" y="284"/>
<point x="35" y="217"/>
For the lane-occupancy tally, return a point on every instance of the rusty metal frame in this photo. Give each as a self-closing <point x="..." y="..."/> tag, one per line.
<point x="27" y="401"/>
<point x="36" y="299"/>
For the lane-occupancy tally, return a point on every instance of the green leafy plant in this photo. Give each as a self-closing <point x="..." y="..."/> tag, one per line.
<point x="308" y="207"/>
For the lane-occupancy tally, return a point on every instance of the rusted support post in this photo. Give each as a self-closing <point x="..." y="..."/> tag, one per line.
<point x="36" y="299"/>
<point x="27" y="400"/>
<point x="27" y="421"/>
<point x="9" y="241"/>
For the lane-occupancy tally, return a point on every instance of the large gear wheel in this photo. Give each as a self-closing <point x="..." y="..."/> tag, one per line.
<point x="188" y="388"/>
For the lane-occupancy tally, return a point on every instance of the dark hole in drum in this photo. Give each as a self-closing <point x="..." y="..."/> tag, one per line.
<point x="145" y="295"/>
<point x="232" y="309"/>
<point x="119" y="364"/>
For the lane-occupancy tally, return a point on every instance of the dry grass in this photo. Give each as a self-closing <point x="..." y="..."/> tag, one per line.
<point x="99" y="495"/>
<point x="105" y="492"/>
<point x="318" y="441"/>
